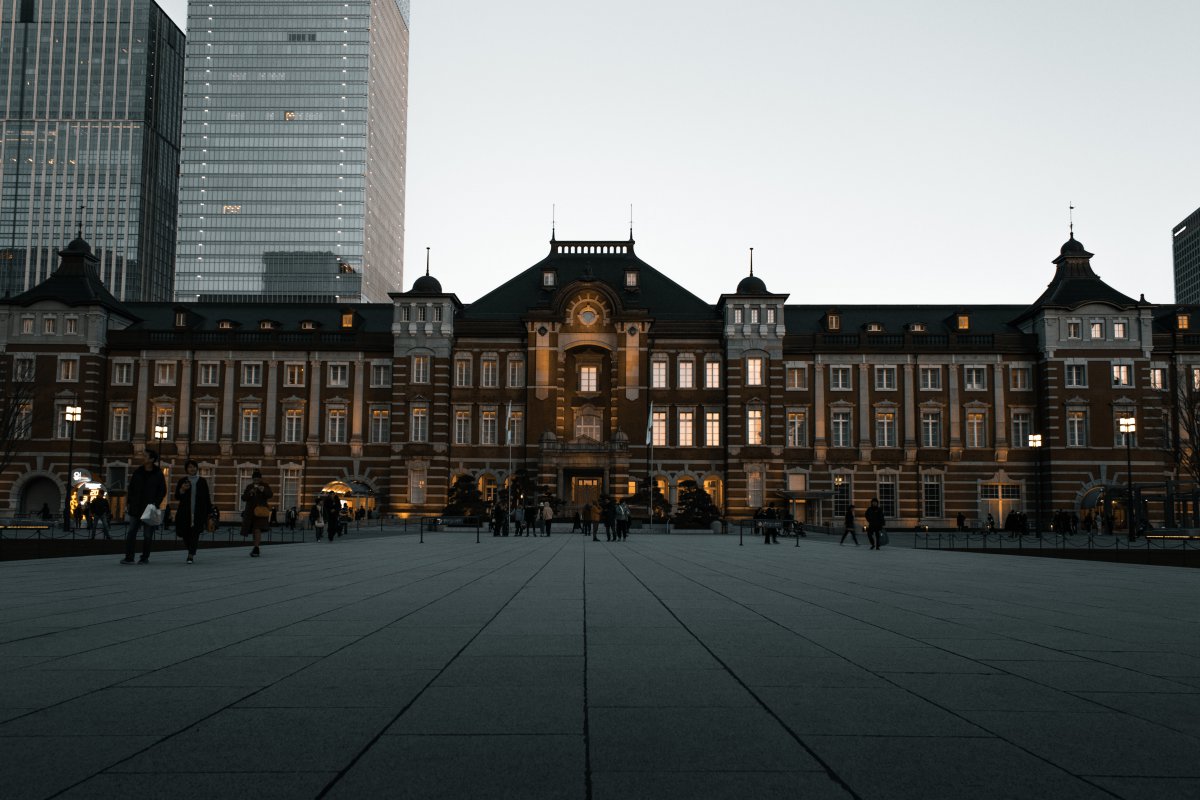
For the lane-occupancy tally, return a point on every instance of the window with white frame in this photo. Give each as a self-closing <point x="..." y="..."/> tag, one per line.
<point x="25" y="369"/>
<point x="885" y="428"/>
<point x="23" y="423"/>
<point x="1077" y="427"/>
<point x="1158" y="378"/>
<point x="206" y="423"/>
<point x="839" y="378"/>
<point x="422" y="313"/>
<point x="754" y="315"/>
<point x="737" y="316"/>
<point x="27" y="325"/>
<point x="686" y="369"/>
<point x="381" y="425"/>
<point x="489" y="372"/>
<point x="974" y="378"/>
<point x="712" y="428"/>
<point x="49" y="326"/>
<point x="770" y="312"/>
<point x="1020" y="378"/>
<point x="931" y="379"/>
<point x="293" y="425"/>
<point x="839" y="428"/>
<point x="631" y="279"/>
<point x="1097" y="329"/>
<point x="68" y="369"/>
<point x="931" y="495"/>
<point x="335" y="431"/>
<point x="119" y="426"/>
<point x="1074" y="329"/>
<point x="1122" y="375"/>
<point x="658" y="373"/>
<point x="754" y="426"/>
<point x="843" y="492"/>
<point x="588" y="425"/>
<point x="462" y="371"/>
<point x="754" y="487"/>
<point x="1076" y="376"/>
<point x="886" y="490"/>
<point x="547" y="277"/>
<point x="62" y="426"/>
<point x="685" y="433"/>
<point x="658" y="428"/>
<point x="417" y="478"/>
<point x="209" y="374"/>
<point x="516" y="427"/>
<point x="1120" y="329"/>
<point x="931" y="428"/>
<point x="164" y="418"/>
<point x="381" y="375"/>
<point x="487" y="427"/>
<point x="420" y="369"/>
<point x="1120" y="436"/>
<point x="339" y="375"/>
<point x="976" y="429"/>
<point x="885" y="378"/>
<point x="589" y="378"/>
<point x="516" y="373"/>
<point x="164" y="373"/>
<point x="437" y="313"/>
<point x="462" y="426"/>
<point x="71" y="326"/>
<point x="754" y="371"/>
<point x="252" y="373"/>
<point x="293" y="373"/>
<point x="797" y="377"/>
<point x="797" y="428"/>
<point x="712" y="374"/>
<point x="1022" y="426"/>
<point x="251" y="429"/>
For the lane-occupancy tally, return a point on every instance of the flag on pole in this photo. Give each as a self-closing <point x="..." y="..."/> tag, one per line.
<point x="508" y="425"/>
<point x="650" y="425"/>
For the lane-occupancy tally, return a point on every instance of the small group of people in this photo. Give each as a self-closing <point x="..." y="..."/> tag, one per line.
<point x="327" y="516"/>
<point x="772" y="519"/>
<point x="873" y="522"/>
<point x="614" y="516"/>
<point x="521" y="520"/>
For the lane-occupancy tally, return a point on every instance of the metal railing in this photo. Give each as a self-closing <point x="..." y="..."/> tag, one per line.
<point x="1183" y="544"/>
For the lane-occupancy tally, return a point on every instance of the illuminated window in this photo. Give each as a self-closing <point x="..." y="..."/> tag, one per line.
<point x="381" y="425"/>
<point x="1120" y="329"/>
<point x="754" y="316"/>
<point x="1021" y="378"/>
<point x="68" y="370"/>
<point x="289" y="116"/>
<point x="347" y="319"/>
<point x="420" y="369"/>
<point x="1074" y="329"/>
<point x="1158" y="378"/>
<point x="225" y="325"/>
<point x="754" y="426"/>
<point x="1122" y="375"/>
<point x="336" y="426"/>
<point x="737" y="316"/>
<point x="658" y="373"/>
<point x="419" y="431"/>
<point x="1097" y="329"/>
<point x="1182" y="321"/>
<point x="489" y="371"/>
<point x="516" y="372"/>
<point x="119" y="427"/>
<point x="712" y="374"/>
<point x="976" y="429"/>
<point x="963" y="322"/>
<point x="180" y="319"/>
<point x="71" y="326"/>
<point x="293" y="426"/>
<point x="885" y="429"/>
<point x="797" y="429"/>
<point x="49" y="325"/>
<point x="712" y="428"/>
<point x="462" y="426"/>
<point x="462" y="371"/>
<point x="931" y="429"/>
<point x="631" y="279"/>
<point x="548" y="277"/>
<point x="797" y="377"/>
<point x="685" y="433"/>
<point x="754" y="371"/>
<point x="488" y="432"/>
<point x="231" y="209"/>
<point x="833" y="322"/>
<point x="588" y="378"/>
<point x="1077" y="428"/>
<point x="658" y="429"/>
<point x="250" y="424"/>
<point x="686" y="370"/>
<point x="293" y="375"/>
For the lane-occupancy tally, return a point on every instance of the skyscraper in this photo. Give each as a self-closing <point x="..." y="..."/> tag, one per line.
<point x="295" y="119"/>
<point x="91" y="98"/>
<point x="1186" y="247"/>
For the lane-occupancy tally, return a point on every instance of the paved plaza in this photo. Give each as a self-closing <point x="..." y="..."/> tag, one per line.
<point x="665" y="666"/>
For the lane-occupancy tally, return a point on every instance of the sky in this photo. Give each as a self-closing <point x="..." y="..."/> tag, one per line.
<point x="876" y="151"/>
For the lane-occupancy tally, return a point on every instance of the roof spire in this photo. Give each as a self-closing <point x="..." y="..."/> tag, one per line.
<point x="751" y="262"/>
<point x="426" y="262"/>
<point x="631" y="222"/>
<point x="552" y="222"/>
<point x="1071" y="218"/>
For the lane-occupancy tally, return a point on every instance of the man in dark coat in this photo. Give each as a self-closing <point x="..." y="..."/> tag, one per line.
<point x="147" y="487"/>
<point x="332" y="511"/>
<point x="195" y="507"/>
<point x="875" y="523"/>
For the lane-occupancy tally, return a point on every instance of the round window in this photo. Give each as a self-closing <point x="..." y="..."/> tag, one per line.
<point x="587" y="316"/>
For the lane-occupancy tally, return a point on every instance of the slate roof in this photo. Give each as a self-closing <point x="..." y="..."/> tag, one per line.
<point x="375" y="317"/>
<point x="75" y="283"/>
<point x="801" y="319"/>
<point x="1075" y="284"/>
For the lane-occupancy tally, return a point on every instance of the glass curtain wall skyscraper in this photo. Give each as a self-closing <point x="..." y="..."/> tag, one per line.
<point x="295" y="120"/>
<point x="91" y="100"/>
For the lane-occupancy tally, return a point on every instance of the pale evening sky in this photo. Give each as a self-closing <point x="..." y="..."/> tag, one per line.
<point x="876" y="151"/>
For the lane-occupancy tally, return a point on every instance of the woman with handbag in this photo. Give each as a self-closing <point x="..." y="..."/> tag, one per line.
<point x="256" y="515"/>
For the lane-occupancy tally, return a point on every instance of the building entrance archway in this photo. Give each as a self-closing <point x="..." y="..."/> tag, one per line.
<point x="39" y="492"/>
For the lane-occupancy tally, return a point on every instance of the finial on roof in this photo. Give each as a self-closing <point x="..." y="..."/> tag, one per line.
<point x="426" y="262"/>
<point x="1071" y="218"/>
<point x="751" y="262"/>
<point x="631" y="222"/>
<point x="553" y="222"/>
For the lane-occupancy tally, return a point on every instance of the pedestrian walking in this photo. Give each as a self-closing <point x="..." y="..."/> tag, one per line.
<point x="547" y="516"/>
<point x="962" y="521"/>
<point x="147" y="490"/>
<point x="332" y="513"/>
<point x="589" y="521"/>
<point x="102" y="513"/>
<point x="622" y="514"/>
<point x="195" y="507"/>
<point x="256" y="514"/>
<point x="875" y="522"/>
<point x="850" y="527"/>
<point x="316" y="518"/>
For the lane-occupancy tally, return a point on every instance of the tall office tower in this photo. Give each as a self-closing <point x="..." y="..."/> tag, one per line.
<point x="1186" y="246"/>
<point x="91" y="95"/>
<point x="295" y="118"/>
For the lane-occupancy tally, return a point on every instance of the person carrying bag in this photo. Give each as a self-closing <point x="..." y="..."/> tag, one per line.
<point x="147" y="490"/>
<point x="256" y="515"/>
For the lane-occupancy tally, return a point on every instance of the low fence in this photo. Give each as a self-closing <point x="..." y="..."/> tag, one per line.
<point x="1179" y="547"/>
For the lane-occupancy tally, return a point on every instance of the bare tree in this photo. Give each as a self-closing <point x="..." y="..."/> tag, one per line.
<point x="1184" y="429"/>
<point x="16" y="404"/>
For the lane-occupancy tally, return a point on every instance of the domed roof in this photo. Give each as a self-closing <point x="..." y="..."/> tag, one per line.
<point x="426" y="284"/>
<point x="1072" y="247"/>
<point x="751" y="285"/>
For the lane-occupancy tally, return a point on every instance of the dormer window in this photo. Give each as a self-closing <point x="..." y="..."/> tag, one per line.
<point x="180" y="319"/>
<point x="308" y="325"/>
<point x="874" y="327"/>
<point x="833" y="322"/>
<point x="917" y="327"/>
<point x="347" y="319"/>
<point x="548" y="278"/>
<point x="962" y="322"/>
<point x="1182" y="321"/>
<point x="266" y="325"/>
<point x="631" y="279"/>
<point x="225" y="325"/>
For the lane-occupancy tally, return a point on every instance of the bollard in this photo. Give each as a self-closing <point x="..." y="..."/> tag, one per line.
<point x="422" y="531"/>
<point x="741" y="532"/>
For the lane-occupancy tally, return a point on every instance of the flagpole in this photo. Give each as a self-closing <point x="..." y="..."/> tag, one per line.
<point x="650" y="467"/>
<point x="508" y="435"/>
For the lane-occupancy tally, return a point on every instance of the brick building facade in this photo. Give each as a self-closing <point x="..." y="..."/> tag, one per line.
<point x="591" y="370"/>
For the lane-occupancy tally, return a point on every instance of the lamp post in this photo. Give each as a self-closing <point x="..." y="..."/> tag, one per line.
<point x="1035" y="441"/>
<point x="71" y="414"/>
<point x="1128" y="429"/>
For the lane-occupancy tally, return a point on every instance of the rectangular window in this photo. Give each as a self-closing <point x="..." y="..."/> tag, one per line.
<point x="1196" y="378"/>
<point x="1074" y="329"/>
<point x="381" y="376"/>
<point x="119" y="429"/>
<point x="931" y="496"/>
<point x="516" y="373"/>
<point x="1097" y="330"/>
<point x="589" y="378"/>
<point x="754" y="316"/>
<point x="885" y="429"/>
<point x="516" y="427"/>
<point x="206" y="424"/>
<point x="712" y="428"/>
<point x="658" y="429"/>
<point x="712" y="374"/>
<point x="421" y="313"/>
<point x="754" y="426"/>
<point x="1076" y="376"/>
<point x="771" y="316"/>
<point x="489" y="372"/>
<point x="336" y="425"/>
<point x="1077" y="428"/>
<point x="547" y="278"/>
<point x="62" y="426"/>
<point x="839" y="379"/>
<point x="487" y="427"/>
<point x="71" y="326"/>
<point x="27" y="325"/>
<point x="462" y="426"/>
<point x="164" y="422"/>
<point x="686" y="433"/>
<point x="754" y="371"/>
<point x="1120" y="329"/>
<point x="417" y="478"/>
<point x="754" y="488"/>
<point x="840" y="429"/>
<point x="462" y="372"/>
<point x="252" y="373"/>
<point x="687" y="374"/>
<point x="293" y="374"/>
<point x="24" y="369"/>
<point x="68" y="370"/>
<point x="842" y="492"/>
<point x="251" y="431"/>
<point x="1020" y="378"/>
<point x="886" y="489"/>
<point x="1022" y="426"/>
<point x="976" y="429"/>
<point x="210" y="373"/>
<point x="339" y="375"/>
<point x="49" y="325"/>
<point x="420" y="369"/>
<point x="437" y="313"/>
<point x="631" y="279"/>
<point x="420" y="426"/>
<point x="931" y="378"/>
<point x="164" y="373"/>
<point x="1119" y="436"/>
<point x="797" y="377"/>
<point x="931" y="429"/>
<point x="737" y="316"/>
<point x="658" y="374"/>
<point x="381" y="425"/>
<point x="975" y="378"/>
<point x="885" y="378"/>
<point x="1158" y="378"/>
<point x="797" y="429"/>
<point x="1122" y="375"/>
<point x="23" y="424"/>
<point x="293" y="425"/>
